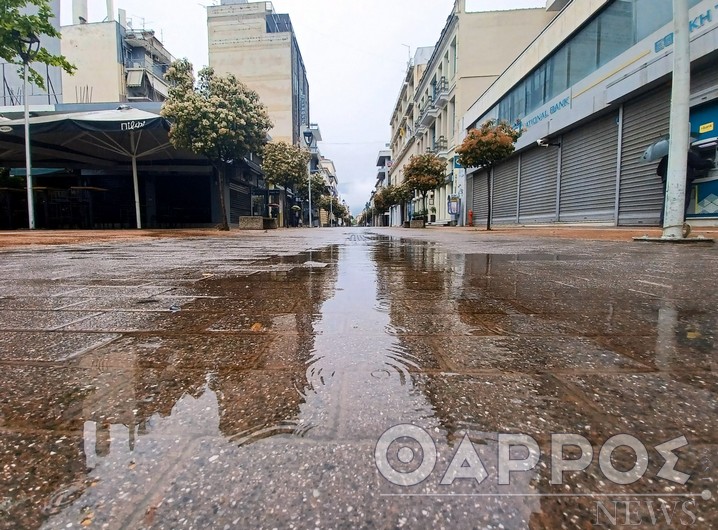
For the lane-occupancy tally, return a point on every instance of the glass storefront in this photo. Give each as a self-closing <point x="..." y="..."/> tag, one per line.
<point x="614" y="30"/>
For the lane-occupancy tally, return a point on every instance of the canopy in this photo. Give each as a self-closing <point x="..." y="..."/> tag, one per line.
<point x="100" y="138"/>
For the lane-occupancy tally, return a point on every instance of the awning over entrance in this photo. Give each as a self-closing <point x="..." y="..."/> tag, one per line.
<point x="98" y="139"/>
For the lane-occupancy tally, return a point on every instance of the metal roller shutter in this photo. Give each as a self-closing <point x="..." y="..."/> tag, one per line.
<point x="506" y="179"/>
<point x="480" y="198"/>
<point x="704" y="79"/>
<point x="539" y="168"/>
<point x="588" y="171"/>
<point x="239" y="202"/>
<point x="641" y="194"/>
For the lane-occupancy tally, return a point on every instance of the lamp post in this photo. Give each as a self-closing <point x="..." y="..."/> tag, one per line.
<point x="28" y="47"/>
<point x="308" y="139"/>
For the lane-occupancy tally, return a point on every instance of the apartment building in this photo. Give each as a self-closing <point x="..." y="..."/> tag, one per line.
<point x="331" y="182"/>
<point x="115" y="62"/>
<point x="595" y="89"/>
<point x="472" y="51"/>
<point x="259" y="46"/>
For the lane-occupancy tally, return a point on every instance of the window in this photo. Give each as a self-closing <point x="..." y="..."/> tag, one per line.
<point x="535" y="88"/>
<point x="615" y="31"/>
<point x="583" y="53"/>
<point x="557" y="73"/>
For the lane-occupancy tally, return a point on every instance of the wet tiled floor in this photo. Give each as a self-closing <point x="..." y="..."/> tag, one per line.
<point x="247" y="382"/>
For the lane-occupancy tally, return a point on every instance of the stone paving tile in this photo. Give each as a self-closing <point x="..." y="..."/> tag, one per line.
<point x="536" y="405"/>
<point x="657" y="407"/>
<point x="529" y="354"/>
<point x="208" y="352"/>
<point x="40" y="320"/>
<point x="133" y="321"/>
<point x="54" y="346"/>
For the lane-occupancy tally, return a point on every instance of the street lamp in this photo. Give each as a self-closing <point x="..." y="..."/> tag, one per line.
<point x="28" y="46"/>
<point x="308" y="139"/>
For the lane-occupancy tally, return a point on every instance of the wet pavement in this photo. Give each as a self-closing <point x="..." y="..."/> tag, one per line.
<point x="353" y="378"/>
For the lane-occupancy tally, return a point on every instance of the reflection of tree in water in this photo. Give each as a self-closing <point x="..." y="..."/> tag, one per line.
<point x="132" y="383"/>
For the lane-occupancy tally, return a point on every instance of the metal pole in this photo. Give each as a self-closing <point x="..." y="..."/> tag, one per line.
<point x="331" y="209"/>
<point x="310" y="190"/>
<point x="28" y="162"/>
<point x="679" y="128"/>
<point x="135" y="180"/>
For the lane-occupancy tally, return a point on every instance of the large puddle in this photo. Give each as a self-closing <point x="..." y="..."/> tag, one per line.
<point x="258" y="399"/>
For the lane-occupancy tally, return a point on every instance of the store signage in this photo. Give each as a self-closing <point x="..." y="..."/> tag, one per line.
<point x="706" y="127"/>
<point x="547" y="112"/>
<point x="695" y="24"/>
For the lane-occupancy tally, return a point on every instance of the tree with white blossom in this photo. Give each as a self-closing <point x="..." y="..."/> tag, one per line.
<point x="215" y="116"/>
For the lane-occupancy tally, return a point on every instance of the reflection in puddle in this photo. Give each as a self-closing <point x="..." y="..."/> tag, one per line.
<point x="262" y="400"/>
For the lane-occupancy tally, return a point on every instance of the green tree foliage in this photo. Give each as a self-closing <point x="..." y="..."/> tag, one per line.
<point x="424" y="173"/>
<point x="492" y="142"/>
<point x="218" y="117"/>
<point x="332" y="205"/>
<point x="14" y="24"/>
<point x="319" y="188"/>
<point x="285" y="165"/>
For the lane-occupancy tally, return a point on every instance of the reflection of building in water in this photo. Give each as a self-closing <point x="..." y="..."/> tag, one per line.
<point x="142" y="399"/>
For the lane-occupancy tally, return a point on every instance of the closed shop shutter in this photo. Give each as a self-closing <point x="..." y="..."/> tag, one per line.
<point x="588" y="171"/>
<point x="480" y="199"/>
<point x="539" y="169"/>
<point x="704" y="79"/>
<point x="240" y="201"/>
<point x="641" y="193"/>
<point x="506" y="178"/>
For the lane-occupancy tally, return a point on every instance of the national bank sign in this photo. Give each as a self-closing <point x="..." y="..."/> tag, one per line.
<point x="546" y="112"/>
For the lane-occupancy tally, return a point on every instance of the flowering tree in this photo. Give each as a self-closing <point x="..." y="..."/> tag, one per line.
<point x="484" y="147"/>
<point x="424" y="173"/>
<point x="285" y="165"/>
<point x="15" y="24"/>
<point x="218" y="117"/>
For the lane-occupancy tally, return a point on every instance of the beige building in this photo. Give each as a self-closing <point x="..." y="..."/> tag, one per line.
<point x="473" y="50"/>
<point x="115" y="63"/>
<point x="331" y="182"/>
<point x="258" y="45"/>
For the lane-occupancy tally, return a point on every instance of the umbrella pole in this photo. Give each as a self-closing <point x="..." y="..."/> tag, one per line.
<point x="137" y="191"/>
<point x="28" y="162"/>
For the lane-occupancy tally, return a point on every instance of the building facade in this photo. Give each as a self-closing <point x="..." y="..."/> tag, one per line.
<point x="591" y="93"/>
<point x="383" y="164"/>
<point x="115" y="63"/>
<point x="473" y="50"/>
<point x="13" y="93"/>
<point x="258" y="46"/>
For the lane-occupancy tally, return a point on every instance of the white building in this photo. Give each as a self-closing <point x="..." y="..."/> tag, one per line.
<point x="472" y="51"/>
<point x="595" y="86"/>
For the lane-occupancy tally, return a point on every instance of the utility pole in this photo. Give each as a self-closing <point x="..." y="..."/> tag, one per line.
<point x="679" y="128"/>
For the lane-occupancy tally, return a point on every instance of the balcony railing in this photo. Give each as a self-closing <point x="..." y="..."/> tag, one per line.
<point x="441" y="92"/>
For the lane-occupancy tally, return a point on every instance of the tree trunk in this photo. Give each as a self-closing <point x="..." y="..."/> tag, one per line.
<point x="488" y="198"/>
<point x="285" y="209"/>
<point x="223" y="224"/>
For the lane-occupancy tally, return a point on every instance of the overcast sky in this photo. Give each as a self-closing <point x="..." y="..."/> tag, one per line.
<point x="356" y="57"/>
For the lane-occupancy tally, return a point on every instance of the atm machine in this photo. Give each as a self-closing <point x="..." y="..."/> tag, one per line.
<point x="704" y="198"/>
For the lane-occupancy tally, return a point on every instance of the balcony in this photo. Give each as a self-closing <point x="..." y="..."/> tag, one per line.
<point x="427" y="115"/>
<point x="441" y="93"/>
